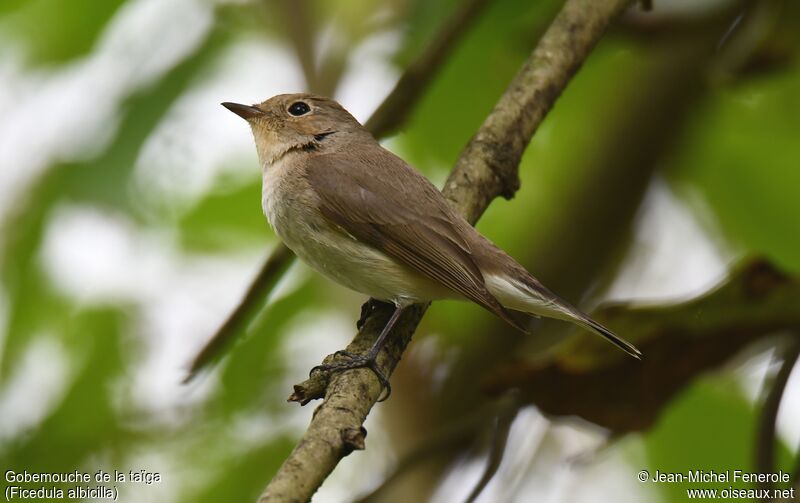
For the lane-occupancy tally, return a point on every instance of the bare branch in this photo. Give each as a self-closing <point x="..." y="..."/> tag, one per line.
<point x="773" y="393"/>
<point x="279" y="260"/>
<point x="299" y="25"/>
<point x="487" y="168"/>
<point x="756" y="301"/>
<point x="585" y="233"/>
<point x="497" y="447"/>
<point x="393" y="112"/>
<point x="461" y="432"/>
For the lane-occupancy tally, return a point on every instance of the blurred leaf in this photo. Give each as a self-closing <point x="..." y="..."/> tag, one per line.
<point x="102" y="181"/>
<point x="460" y="98"/>
<point x="423" y="21"/>
<point x="226" y="219"/>
<point x="54" y="30"/>
<point x="709" y="427"/>
<point x="237" y="480"/>
<point x="742" y="157"/>
<point x="255" y="367"/>
<point x="85" y="422"/>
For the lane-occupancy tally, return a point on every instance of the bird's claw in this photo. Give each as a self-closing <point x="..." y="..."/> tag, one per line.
<point x="356" y="361"/>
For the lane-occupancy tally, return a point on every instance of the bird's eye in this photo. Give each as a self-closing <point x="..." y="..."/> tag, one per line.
<point x="298" y="108"/>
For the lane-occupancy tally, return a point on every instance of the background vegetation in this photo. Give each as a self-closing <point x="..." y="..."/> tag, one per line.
<point x="131" y="225"/>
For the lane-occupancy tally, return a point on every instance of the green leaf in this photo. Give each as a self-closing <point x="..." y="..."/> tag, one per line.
<point x="473" y="78"/>
<point x="225" y="220"/>
<point x="742" y="156"/>
<point x="245" y="476"/>
<point x="55" y="31"/>
<point x="709" y="427"/>
<point x="255" y="366"/>
<point x="85" y="421"/>
<point x="102" y="181"/>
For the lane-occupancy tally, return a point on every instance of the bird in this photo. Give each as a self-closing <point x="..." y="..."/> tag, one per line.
<point x="363" y="217"/>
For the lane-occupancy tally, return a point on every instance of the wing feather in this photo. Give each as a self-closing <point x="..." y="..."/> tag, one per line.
<point x="380" y="200"/>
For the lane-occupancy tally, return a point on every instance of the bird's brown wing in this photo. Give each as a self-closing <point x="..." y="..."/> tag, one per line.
<point x="381" y="201"/>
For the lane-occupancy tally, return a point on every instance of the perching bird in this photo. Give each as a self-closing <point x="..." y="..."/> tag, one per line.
<point x="363" y="217"/>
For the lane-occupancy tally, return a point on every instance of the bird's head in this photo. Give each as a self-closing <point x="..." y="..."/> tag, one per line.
<point x="296" y="122"/>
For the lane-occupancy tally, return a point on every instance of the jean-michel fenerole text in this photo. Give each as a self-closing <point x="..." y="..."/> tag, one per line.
<point x="728" y="476"/>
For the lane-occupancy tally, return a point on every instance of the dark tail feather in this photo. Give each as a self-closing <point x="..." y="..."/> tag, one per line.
<point x="611" y="337"/>
<point x="560" y="307"/>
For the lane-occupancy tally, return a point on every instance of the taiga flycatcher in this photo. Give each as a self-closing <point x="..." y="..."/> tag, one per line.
<point x="361" y="216"/>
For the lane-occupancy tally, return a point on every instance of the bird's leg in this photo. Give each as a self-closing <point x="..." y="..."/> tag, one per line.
<point x="370" y="360"/>
<point x="368" y="308"/>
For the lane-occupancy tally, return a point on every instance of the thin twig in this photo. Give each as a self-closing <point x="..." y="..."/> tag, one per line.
<point x="585" y="232"/>
<point x="394" y="110"/>
<point x="754" y="302"/>
<point x="391" y="114"/>
<point x="271" y="272"/>
<point x="765" y="439"/>
<point x="461" y="432"/>
<point x="796" y="471"/>
<point x="497" y="448"/>
<point x="486" y="169"/>
<point x="300" y="28"/>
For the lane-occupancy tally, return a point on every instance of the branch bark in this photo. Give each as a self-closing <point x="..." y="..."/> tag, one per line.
<point x="767" y="421"/>
<point x="486" y="169"/>
<point x="394" y="110"/>
<point x="575" y="250"/>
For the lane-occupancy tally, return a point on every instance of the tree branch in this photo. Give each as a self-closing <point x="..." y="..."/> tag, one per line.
<point x="796" y="470"/>
<point x="271" y="272"/>
<point x="299" y="26"/>
<point x="487" y="168"/>
<point x="756" y="301"/>
<point x="394" y="110"/>
<point x="577" y="248"/>
<point x="497" y="448"/>
<point x="767" y="422"/>
<point x="462" y="432"/>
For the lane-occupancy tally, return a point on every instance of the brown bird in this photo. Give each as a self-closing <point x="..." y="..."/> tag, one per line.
<point x="363" y="217"/>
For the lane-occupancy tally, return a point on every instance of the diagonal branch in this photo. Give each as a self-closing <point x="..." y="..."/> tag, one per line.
<point x="300" y="27"/>
<point x="271" y="272"/>
<point x="486" y="169"/>
<point x="767" y="423"/>
<point x="394" y="110"/>
<point x="497" y="448"/>
<point x="754" y="302"/>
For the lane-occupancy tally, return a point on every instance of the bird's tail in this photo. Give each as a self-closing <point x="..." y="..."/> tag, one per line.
<point x="591" y="325"/>
<point x="525" y="294"/>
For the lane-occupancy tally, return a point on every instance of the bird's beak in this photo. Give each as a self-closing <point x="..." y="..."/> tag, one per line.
<point x="246" y="112"/>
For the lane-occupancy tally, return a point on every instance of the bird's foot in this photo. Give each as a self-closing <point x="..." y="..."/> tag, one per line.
<point x="356" y="361"/>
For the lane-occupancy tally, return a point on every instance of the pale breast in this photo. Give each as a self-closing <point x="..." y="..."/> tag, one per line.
<point x="291" y="208"/>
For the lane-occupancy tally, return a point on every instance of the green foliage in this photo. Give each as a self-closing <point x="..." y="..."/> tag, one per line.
<point x="742" y="157"/>
<point x="236" y="480"/>
<point x="459" y="99"/>
<point x="226" y="220"/>
<point x="739" y="156"/>
<point x="84" y="422"/>
<point x="54" y="31"/>
<point x="710" y="427"/>
<point x="102" y="181"/>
